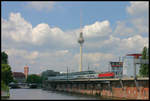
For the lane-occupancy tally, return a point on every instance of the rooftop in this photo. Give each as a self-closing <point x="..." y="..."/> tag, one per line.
<point x="18" y="74"/>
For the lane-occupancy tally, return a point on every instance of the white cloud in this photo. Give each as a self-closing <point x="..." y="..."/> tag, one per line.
<point x="120" y="47"/>
<point x="122" y="29"/>
<point x="109" y="44"/>
<point x="98" y="29"/>
<point x="97" y="59"/>
<point x="117" y="46"/>
<point x="40" y="5"/>
<point x="16" y="28"/>
<point x="137" y="7"/>
<point x="40" y="33"/>
<point x="135" y="43"/>
<point x="43" y="33"/>
<point x="137" y="22"/>
<point x="56" y="54"/>
<point x="141" y="24"/>
<point x="22" y="31"/>
<point x="139" y="15"/>
<point x="32" y="55"/>
<point x="94" y="57"/>
<point x="22" y="53"/>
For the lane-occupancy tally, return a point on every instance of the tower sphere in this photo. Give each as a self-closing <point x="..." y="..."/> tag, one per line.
<point x="81" y="40"/>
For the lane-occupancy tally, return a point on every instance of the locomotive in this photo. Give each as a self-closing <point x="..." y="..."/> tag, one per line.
<point x="106" y="75"/>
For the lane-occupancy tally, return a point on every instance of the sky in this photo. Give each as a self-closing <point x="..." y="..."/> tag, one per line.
<point x="43" y="35"/>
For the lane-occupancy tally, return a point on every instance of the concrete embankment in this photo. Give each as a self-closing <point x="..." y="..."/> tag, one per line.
<point x="5" y="94"/>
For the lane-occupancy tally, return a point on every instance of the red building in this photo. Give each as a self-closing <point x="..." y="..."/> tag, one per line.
<point x="19" y="76"/>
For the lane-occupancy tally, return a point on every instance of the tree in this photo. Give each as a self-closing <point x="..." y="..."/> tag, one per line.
<point x="4" y="58"/>
<point x="4" y="87"/>
<point x="6" y="74"/>
<point x="33" y="78"/>
<point x="144" y="68"/>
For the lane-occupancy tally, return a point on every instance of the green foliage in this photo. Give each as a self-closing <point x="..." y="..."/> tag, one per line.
<point x="33" y="78"/>
<point x="4" y="58"/>
<point x="6" y="74"/>
<point x="144" y="68"/>
<point x="15" y="81"/>
<point x="4" y="86"/>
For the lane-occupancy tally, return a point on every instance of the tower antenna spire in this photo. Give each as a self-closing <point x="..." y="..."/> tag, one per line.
<point x="80" y="20"/>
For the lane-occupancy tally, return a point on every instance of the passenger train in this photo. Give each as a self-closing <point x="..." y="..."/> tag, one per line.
<point x="82" y="75"/>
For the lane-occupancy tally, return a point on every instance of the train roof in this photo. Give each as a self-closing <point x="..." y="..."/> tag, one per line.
<point x="79" y="73"/>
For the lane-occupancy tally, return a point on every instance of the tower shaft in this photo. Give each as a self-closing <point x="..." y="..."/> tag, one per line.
<point x="80" y="57"/>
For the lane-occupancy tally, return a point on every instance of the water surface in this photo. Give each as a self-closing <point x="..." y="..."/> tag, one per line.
<point x="33" y="94"/>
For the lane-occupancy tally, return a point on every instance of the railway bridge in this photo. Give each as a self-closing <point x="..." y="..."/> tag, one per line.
<point x="125" y="88"/>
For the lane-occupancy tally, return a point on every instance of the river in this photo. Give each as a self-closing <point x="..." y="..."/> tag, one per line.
<point x="36" y="94"/>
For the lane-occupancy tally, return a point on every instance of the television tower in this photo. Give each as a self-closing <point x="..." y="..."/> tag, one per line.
<point x="80" y="41"/>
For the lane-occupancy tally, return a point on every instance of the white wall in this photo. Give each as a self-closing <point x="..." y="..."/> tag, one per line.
<point x="128" y="67"/>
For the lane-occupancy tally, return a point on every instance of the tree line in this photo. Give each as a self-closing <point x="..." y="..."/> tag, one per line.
<point x="33" y="78"/>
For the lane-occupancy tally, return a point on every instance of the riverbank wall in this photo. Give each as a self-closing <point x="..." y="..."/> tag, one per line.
<point x="113" y="88"/>
<point x="5" y="94"/>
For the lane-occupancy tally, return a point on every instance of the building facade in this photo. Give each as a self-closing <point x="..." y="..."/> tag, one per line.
<point x="19" y="77"/>
<point x="128" y="65"/>
<point x="117" y="68"/>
